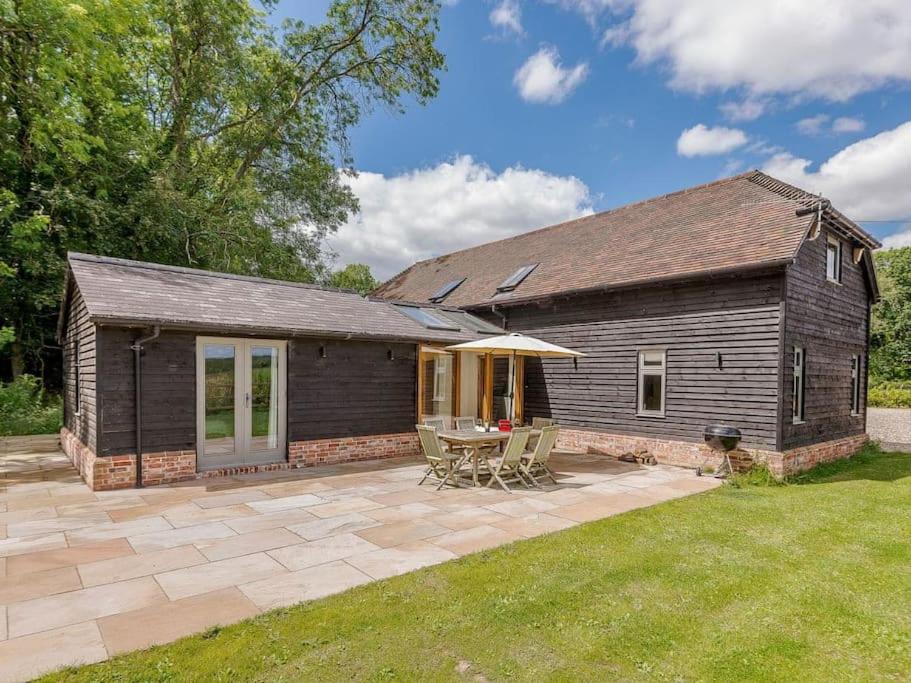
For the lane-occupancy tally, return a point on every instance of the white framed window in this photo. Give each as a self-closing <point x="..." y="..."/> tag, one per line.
<point x="442" y="372"/>
<point x="855" y="385"/>
<point x="833" y="260"/>
<point x="651" y="383"/>
<point x="800" y="370"/>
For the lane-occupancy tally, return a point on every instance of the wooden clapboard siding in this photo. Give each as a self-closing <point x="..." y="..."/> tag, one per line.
<point x="168" y="391"/>
<point x="80" y="419"/>
<point x="356" y="390"/>
<point x="831" y="321"/>
<point x="740" y="318"/>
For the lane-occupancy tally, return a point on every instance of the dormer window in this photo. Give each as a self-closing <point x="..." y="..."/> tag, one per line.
<point x="446" y="290"/>
<point x="833" y="260"/>
<point x="516" y="278"/>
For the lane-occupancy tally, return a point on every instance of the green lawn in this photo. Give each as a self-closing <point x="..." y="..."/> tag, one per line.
<point x="808" y="581"/>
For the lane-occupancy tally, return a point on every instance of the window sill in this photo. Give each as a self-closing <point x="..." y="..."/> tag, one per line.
<point x="799" y="422"/>
<point x="659" y="416"/>
<point x="833" y="282"/>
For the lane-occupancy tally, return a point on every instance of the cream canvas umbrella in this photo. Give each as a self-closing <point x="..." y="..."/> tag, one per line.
<point x="515" y="344"/>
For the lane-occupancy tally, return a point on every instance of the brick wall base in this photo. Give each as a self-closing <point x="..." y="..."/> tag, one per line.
<point x="333" y="451"/>
<point x="103" y="473"/>
<point x="687" y="454"/>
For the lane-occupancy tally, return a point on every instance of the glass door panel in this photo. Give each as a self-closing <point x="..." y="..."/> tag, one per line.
<point x="265" y="408"/>
<point x="219" y="388"/>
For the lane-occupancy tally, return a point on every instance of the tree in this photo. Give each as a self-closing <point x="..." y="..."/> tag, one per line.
<point x="356" y="276"/>
<point x="890" y="352"/>
<point x="189" y="132"/>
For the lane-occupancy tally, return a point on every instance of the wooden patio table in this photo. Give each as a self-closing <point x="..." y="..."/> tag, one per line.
<point x="473" y="440"/>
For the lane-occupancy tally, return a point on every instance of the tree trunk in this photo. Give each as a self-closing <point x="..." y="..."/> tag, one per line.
<point x="17" y="359"/>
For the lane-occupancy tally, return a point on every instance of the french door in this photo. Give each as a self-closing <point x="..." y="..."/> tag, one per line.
<point x="240" y="402"/>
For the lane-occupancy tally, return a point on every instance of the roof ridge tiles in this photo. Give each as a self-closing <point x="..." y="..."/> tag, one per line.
<point x="129" y="263"/>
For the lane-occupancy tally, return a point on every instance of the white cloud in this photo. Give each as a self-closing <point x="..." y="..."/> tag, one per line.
<point x="868" y="180"/>
<point x="451" y="206"/>
<point x="507" y="16"/>
<point x="819" y="124"/>
<point x="824" y="48"/>
<point x="899" y="239"/>
<point x="848" y="124"/>
<point x="702" y="141"/>
<point x="542" y="78"/>
<point x="748" y="110"/>
<point x="590" y="9"/>
<point x="812" y="125"/>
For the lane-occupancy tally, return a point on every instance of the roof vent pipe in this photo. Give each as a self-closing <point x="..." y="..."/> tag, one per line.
<point x="136" y="346"/>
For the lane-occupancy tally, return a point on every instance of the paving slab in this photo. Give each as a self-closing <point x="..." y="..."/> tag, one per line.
<point x="169" y="621"/>
<point x="134" y="566"/>
<point x="321" y="551"/>
<point x="306" y="584"/>
<point x="42" y="614"/>
<point x="28" y="657"/>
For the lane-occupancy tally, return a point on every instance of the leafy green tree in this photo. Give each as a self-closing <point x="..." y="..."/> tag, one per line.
<point x="190" y="132"/>
<point x="356" y="276"/>
<point x="890" y="353"/>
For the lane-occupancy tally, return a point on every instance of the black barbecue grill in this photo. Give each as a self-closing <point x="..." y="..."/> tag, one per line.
<point x="725" y="439"/>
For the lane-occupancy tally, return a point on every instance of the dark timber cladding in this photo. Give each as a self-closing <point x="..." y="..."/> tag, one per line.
<point x="738" y="318"/>
<point x="356" y="390"/>
<point x="831" y="321"/>
<point x="79" y="338"/>
<point x="168" y="392"/>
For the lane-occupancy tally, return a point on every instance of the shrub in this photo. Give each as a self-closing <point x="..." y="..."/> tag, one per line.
<point x="25" y="408"/>
<point x="758" y="475"/>
<point x="889" y="394"/>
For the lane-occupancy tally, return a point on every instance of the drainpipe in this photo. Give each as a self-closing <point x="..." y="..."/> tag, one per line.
<point x="502" y="316"/>
<point x="136" y="346"/>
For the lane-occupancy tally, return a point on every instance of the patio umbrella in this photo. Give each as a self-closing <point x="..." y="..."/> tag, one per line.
<point x="515" y="344"/>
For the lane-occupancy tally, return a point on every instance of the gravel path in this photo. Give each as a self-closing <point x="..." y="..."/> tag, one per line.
<point x="890" y="426"/>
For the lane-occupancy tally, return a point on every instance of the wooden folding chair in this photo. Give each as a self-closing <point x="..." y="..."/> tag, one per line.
<point x="538" y="423"/>
<point x="506" y="468"/>
<point x="463" y="423"/>
<point x="444" y="466"/>
<point x="535" y="462"/>
<point x="438" y="423"/>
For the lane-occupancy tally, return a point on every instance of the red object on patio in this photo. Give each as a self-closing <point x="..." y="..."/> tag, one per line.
<point x="504" y="425"/>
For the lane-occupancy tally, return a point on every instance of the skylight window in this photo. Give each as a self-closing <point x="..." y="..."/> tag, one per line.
<point x="471" y="322"/>
<point x="516" y="278"/>
<point x="424" y="317"/>
<point x="446" y="290"/>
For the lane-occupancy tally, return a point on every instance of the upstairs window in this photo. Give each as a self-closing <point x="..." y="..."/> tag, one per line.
<point x="516" y="278"/>
<point x="833" y="260"/>
<point x="651" y="389"/>
<point x="800" y="370"/>
<point x="446" y="290"/>
<point x="855" y="385"/>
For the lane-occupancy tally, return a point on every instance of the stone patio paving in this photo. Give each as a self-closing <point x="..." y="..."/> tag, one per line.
<point x="85" y="575"/>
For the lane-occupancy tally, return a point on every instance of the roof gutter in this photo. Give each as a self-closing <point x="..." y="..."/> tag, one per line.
<point x="136" y="346"/>
<point x="190" y="326"/>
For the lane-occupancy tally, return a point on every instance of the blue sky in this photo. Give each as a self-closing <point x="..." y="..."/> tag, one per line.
<point x="571" y="106"/>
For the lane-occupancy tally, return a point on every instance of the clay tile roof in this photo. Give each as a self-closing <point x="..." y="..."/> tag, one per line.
<point x="119" y="291"/>
<point x="739" y="222"/>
